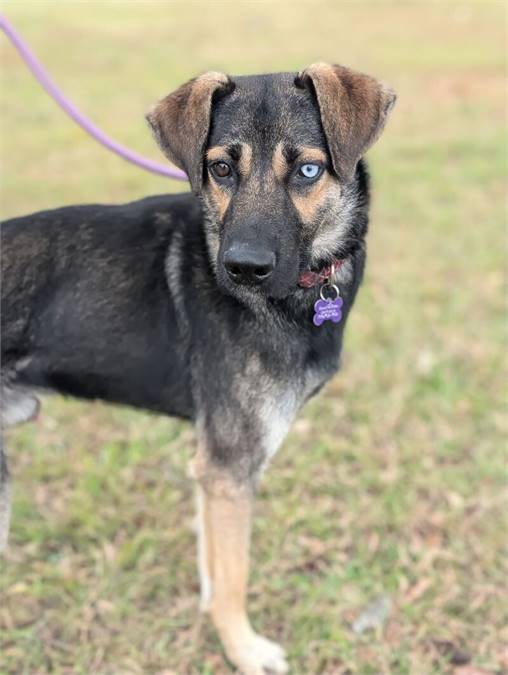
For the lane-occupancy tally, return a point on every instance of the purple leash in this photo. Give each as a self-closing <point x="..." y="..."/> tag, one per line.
<point x="47" y="83"/>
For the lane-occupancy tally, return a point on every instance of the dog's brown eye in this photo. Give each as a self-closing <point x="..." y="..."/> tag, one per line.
<point x="221" y="169"/>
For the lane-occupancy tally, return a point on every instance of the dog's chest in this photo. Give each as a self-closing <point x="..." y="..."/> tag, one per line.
<point x="300" y="374"/>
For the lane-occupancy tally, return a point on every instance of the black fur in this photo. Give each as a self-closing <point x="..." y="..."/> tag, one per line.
<point x="130" y="304"/>
<point x="88" y="309"/>
<point x="195" y="305"/>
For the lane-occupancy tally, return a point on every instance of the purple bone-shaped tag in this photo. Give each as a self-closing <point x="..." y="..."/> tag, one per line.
<point x="327" y="310"/>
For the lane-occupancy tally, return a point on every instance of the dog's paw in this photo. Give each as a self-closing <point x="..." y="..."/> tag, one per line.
<point x="255" y="655"/>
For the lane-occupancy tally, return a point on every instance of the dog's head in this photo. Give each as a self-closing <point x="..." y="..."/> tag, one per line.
<point x="274" y="159"/>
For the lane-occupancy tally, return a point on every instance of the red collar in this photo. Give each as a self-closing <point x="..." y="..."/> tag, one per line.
<point x="311" y="278"/>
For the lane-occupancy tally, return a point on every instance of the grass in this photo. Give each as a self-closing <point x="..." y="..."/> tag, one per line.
<point x="392" y="482"/>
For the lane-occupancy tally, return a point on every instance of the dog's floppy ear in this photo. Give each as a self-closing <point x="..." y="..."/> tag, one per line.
<point x="354" y="108"/>
<point x="181" y="121"/>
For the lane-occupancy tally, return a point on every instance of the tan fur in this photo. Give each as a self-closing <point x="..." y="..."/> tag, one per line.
<point x="310" y="155"/>
<point x="245" y="163"/>
<point x="217" y="153"/>
<point x="280" y="166"/>
<point x="306" y="155"/>
<point x="226" y="513"/>
<point x="309" y="204"/>
<point x="219" y="197"/>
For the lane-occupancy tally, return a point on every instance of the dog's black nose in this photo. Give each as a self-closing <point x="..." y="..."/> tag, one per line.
<point x="248" y="265"/>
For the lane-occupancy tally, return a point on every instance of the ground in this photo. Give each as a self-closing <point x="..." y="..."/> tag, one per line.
<point x="392" y="484"/>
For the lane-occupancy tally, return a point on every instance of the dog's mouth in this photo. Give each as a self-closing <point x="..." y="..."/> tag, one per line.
<point x="320" y="275"/>
<point x="310" y="277"/>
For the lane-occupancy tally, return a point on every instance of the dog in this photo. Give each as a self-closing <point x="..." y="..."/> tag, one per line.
<point x="225" y="305"/>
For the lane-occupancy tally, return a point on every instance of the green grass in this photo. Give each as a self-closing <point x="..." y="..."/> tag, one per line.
<point x="394" y="480"/>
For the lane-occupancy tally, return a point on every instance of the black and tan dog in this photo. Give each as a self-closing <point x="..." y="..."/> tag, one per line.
<point x="202" y="305"/>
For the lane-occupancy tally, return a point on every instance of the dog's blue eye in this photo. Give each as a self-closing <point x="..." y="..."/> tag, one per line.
<point x="309" y="170"/>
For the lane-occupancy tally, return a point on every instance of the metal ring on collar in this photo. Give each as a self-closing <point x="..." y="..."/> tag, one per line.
<point x="331" y="286"/>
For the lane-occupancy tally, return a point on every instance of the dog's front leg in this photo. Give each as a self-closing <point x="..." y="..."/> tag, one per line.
<point x="224" y="510"/>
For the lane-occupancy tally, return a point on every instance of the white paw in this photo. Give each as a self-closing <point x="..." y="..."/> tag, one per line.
<point x="255" y="655"/>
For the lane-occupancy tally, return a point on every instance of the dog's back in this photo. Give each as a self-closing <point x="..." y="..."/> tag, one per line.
<point x="94" y="276"/>
<point x="83" y="294"/>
